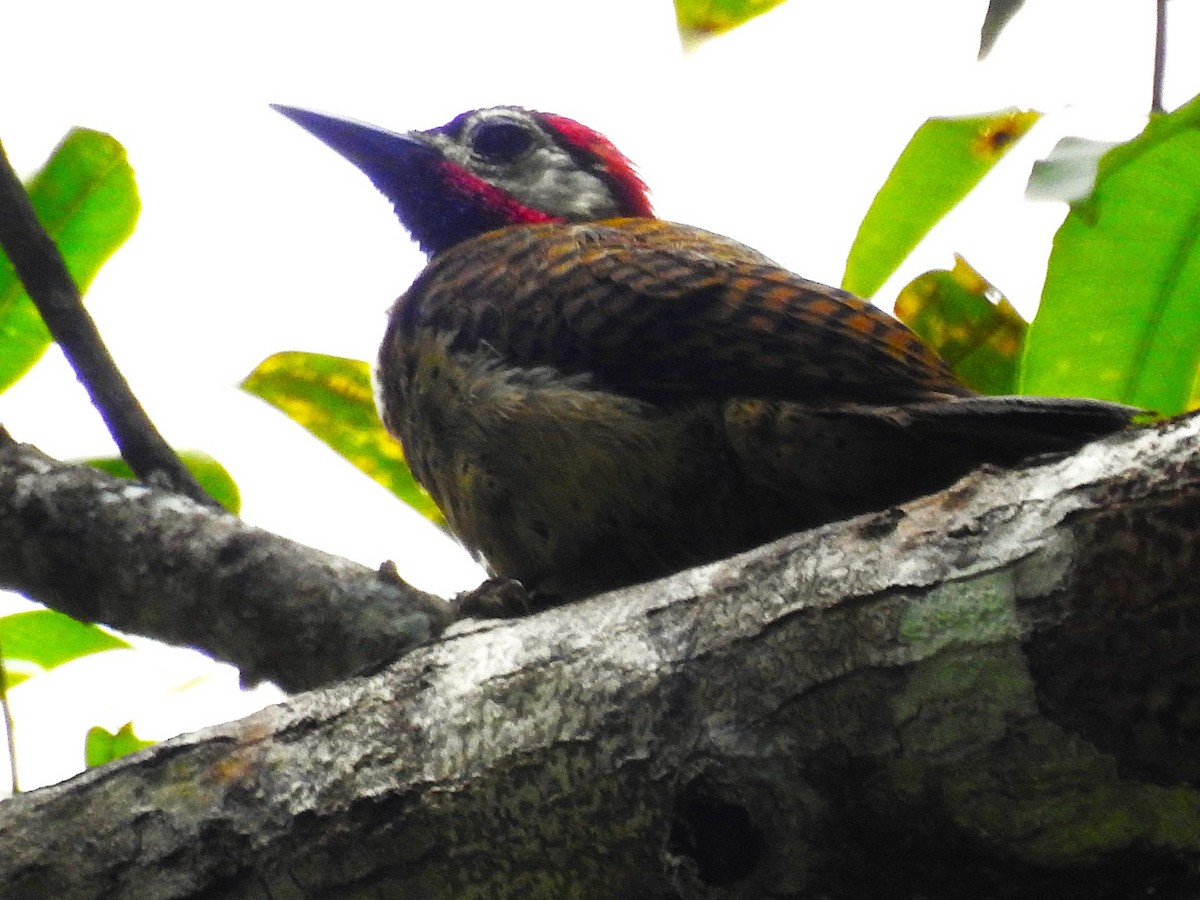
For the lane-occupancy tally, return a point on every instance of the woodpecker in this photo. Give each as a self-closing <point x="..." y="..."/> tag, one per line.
<point x="596" y="397"/>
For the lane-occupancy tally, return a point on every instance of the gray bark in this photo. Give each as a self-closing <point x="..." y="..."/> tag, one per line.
<point x="991" y="692"/>
<point x="151" y="562"/>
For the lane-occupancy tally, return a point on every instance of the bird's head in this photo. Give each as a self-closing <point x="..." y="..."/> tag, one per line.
<point x="486" y="169"/>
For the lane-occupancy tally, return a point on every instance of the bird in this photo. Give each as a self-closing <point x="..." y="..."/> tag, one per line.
<point x="597" y="397"/>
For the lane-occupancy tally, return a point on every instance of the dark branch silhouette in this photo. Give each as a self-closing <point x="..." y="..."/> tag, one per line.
<point x="105" y="549"/>
<point x="42" y="270"/>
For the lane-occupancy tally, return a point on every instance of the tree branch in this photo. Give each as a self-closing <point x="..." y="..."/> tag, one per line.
<point x="41" y="269"/>
<point x="1160" y="56"/>
<point x="153" y="563"/>
<point x="988" y="693"/>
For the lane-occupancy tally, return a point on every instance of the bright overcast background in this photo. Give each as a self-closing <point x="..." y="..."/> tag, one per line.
<point x="256" y="238"/>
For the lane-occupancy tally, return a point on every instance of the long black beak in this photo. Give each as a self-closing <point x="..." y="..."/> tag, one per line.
<point x="389" y="159"/>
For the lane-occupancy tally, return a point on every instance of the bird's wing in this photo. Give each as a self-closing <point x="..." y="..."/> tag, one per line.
<point x="659" y="310"/>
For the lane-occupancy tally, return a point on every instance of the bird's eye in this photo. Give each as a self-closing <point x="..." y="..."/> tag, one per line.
<point x="500" y="141"/>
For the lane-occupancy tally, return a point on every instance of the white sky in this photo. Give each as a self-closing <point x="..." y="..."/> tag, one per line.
<point x="256" y="238"/>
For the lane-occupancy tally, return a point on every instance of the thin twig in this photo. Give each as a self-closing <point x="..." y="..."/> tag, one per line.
<point x="40" y="267"/>
<point x="1160" y="56"/>
<point x="9" y="734"/>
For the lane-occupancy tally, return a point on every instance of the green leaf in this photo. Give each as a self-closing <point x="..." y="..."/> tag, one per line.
<point x="213" y="476"/>
<point x="969" y="323"/>
<point x="331" y="397"/>
<point x="87" y="201"/>
<point x="1120" y="312"/>
<point x="12" y="679"/>
<point x="702" y="19"/>
<point x="1069" y="172"/>
<point x="944" y="159"/>
<point x="102" y="746"/>
<point x="998" y="14"/>
<point x="49" y="638"/>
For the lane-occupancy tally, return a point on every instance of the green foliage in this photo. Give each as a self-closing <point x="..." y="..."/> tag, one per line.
<point x="87" y="201"/>
<point x="1069" y="172"/>
<point x="331" y="397"/>
<point x="12" y="679"/>
<point x="1120" y="312"/>
<point x="213" y="477"/>
<point x="102" y="746"/>
<point x="48" y="639"/>
<point x="969" y="323"/>
<point x="1119" y="317"/>
<point x="944" y="159"/>
<point x="700" y="19"/>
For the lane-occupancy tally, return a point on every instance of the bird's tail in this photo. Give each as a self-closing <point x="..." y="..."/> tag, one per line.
<point x="1028" y="425"/>
<point x="808" y="465"/>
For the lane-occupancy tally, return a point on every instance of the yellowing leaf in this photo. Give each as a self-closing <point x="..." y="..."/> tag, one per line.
<point x="969" y="323"/>
<point x="331" y="397"/>
<point x="702" y="19"/>
<point x="943" y="161"/>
